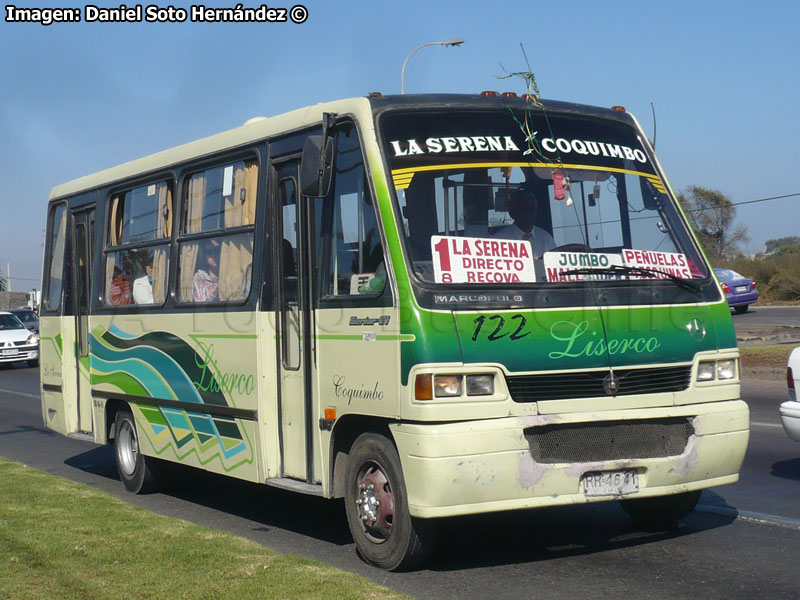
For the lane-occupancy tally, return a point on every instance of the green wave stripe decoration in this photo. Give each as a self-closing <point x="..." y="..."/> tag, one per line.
<point x="162" y="365"/>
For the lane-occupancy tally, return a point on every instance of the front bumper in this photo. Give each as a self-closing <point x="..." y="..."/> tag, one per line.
<point x="21" y="353"/>
<point x="739" y="299"/>
<point x="486" y="465"/>
<point x="790" y="417"/>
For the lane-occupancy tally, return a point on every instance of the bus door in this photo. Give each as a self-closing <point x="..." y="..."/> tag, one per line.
<point x="82" y="236"/>
<point x="296" y="363"/>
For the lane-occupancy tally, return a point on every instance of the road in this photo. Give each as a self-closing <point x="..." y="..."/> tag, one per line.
<point x="769" y="316"/>
<point x="742" y="543"/>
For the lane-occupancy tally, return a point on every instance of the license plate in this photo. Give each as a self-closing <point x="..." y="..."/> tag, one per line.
<point x="741" y="288"/>
<point x="611" y="483"/>
<point x="10" y="352"/>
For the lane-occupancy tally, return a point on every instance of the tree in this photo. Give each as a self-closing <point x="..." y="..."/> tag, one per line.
<point x="3" y="283"/>
<point x="779" y="244"/>
<point x="712" y="216"/>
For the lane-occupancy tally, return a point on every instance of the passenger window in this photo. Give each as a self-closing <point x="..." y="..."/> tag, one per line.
<point x="218" y="268"/>
<point x="357" y="264"/>
<point x="58" y="229"/>
<point x="137" y="258"/>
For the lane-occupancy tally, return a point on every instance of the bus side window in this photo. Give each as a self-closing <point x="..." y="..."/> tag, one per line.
<point x="356" y="256"/>
<point x="217" y="268"/>
<point x="137" y="245"/>
<point x="58" y="230"/>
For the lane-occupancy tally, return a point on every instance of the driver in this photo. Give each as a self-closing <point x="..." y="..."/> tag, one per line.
<point x="522" y="208"/>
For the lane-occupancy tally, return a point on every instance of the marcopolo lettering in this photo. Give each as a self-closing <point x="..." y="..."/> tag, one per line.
<point x="586" y="147"/>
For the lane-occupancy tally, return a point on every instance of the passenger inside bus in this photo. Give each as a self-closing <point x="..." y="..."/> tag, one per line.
<point x="120" y="292"/>
<point x="206" y="278"/>
<point x="143" y="286"/>
<point x="522" y="208"/>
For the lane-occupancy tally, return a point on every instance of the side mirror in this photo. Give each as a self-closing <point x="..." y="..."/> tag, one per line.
<point x="316" y="166"/>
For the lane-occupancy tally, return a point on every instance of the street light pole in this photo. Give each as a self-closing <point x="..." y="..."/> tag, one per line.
<point x="453" y="42"/>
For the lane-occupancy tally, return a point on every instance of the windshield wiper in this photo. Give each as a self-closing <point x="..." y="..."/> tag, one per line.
<point x="644" y="271"/>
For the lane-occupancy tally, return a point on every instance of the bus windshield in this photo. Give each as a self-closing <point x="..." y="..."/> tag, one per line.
<point x="524" y="197"/>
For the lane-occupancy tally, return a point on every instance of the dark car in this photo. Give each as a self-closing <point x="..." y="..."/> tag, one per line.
<point x="28" y="318"/>
<point x="740" y="291"/>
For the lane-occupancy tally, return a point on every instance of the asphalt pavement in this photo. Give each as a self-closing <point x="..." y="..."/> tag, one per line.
<point x="743" y="543"/>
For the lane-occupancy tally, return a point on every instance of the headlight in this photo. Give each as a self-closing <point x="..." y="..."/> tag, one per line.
<point x="446" y="385"/>
<point x="480" y="385"/>
<point x="726" y="369"/>
<point x="428" y="386"/>
<point x="716" y="369"/>
<point x="32" y="339"/>
<point x="705" y="371"/>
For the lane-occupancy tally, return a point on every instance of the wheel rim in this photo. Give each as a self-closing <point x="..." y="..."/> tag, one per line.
<point x="127" y="448"/>
<point x="374" y="502"/>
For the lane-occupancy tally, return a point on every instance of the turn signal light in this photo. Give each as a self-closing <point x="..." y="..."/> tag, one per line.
<point x="726" y="288"/>
<point x="330" y="414"/>
<point x="423" y="387"/>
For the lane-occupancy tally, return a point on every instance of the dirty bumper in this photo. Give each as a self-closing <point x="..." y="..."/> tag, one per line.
<point x="494" y="465"/>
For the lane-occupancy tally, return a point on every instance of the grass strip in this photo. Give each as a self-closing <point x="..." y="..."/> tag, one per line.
<point x="61" y="539"/>
<point x="775" y="356"/>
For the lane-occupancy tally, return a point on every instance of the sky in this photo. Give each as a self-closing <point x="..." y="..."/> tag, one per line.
<point x="76" y="98"/>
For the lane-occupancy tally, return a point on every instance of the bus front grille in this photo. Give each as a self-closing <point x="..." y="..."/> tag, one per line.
<point x="612" y="440"/>
<point x="589" y="384"/>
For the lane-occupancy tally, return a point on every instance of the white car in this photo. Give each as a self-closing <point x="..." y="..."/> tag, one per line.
<point x="790" y="410"/>
<point x="16" y="342"/>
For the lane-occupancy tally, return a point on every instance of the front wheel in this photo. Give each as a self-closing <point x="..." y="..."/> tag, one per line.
<point x="376" y="504"/>
<point x="661" y="510"/>
<point x="135" y="469"/>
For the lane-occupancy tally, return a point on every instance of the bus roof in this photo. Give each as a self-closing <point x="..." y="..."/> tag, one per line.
<point x="260" y="128"/>
<point x="253" y="130"/>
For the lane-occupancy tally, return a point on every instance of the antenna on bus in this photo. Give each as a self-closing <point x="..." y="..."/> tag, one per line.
<point x="653" y="109"/>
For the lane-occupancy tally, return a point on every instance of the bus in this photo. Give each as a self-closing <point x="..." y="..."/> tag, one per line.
<point x="427" y="305"/>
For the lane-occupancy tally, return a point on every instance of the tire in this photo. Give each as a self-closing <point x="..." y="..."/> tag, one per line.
<point x="135" y="470"/>
<point x="33" y="362"/>
<point x="741" y="309"/>
<point x="661" y="511"/>
<point x="376" y="504"/>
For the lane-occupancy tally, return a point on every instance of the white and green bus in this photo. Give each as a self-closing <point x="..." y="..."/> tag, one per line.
<point x="429" y="305"/>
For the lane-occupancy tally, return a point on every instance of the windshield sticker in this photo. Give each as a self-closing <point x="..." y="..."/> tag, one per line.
<point x="666" y="262"/>
<point x="481" y="260"/>
<point x="558" y="265"/>
<point x="473" y="143"/>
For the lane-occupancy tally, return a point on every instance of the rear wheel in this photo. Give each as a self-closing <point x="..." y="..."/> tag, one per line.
<point x="135" y="470"/>
<point x="741" y="309"/>
<point x="377" y="505"/>
<point x="661" y="510"/>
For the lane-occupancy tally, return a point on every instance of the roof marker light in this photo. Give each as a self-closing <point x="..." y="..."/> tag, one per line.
<point x="618" y="108"/>
<point x="509" y="94"/>
<point x="489" y="94"/>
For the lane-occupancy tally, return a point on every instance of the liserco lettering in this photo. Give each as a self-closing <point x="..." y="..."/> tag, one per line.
<point x="240" y="383"/>
<point x="570" y="333"/>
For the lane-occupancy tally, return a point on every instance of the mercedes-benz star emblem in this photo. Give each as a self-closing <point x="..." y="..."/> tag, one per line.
<point x="611" y="384"/>
<point x="696" y="329"/>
